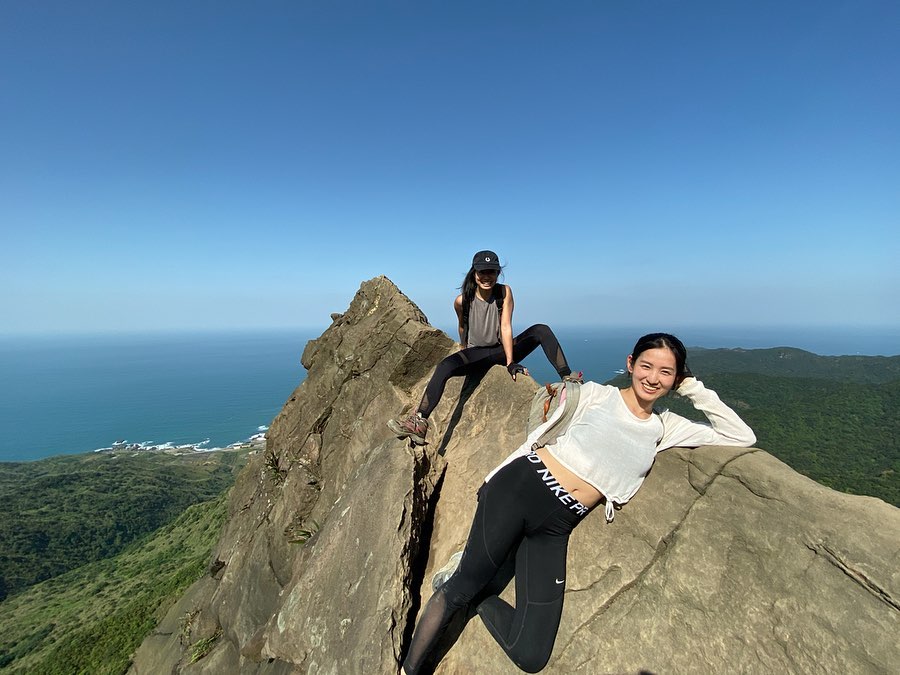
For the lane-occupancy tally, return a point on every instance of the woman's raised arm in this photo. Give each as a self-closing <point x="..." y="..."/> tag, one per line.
<point x="725" y="426"/>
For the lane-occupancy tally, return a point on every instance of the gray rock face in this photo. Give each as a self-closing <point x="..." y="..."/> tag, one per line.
<point x="726" y="560"/>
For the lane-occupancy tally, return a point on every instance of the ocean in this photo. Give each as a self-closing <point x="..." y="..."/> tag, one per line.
<point x="62" y="395"/>
<point x="73" y="394"/>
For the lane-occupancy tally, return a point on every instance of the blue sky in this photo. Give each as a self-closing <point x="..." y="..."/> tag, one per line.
<point x="213" y="165"/>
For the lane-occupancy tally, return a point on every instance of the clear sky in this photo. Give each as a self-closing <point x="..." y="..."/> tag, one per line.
<point x="227" y="164"/>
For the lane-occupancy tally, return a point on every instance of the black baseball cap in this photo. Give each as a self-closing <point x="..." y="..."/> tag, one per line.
<point x="486" y="260"/>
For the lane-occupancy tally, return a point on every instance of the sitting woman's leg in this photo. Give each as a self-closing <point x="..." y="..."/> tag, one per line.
<point x="415" y="425"/>
<point x="540" y="334"/>
<point x="460" y="363"/>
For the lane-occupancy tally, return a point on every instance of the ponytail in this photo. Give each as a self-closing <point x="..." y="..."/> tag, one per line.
<point x="468" y="295"/>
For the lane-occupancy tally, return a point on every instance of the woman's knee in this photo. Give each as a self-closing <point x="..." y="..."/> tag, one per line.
<point x="538" y="332"/>
<point x="532" y="659"/>
<point x="542" y="330"/>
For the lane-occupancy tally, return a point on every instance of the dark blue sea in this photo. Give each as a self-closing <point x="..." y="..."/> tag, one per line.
<point x="61" y="395"/>
<point x="72" y="394"/>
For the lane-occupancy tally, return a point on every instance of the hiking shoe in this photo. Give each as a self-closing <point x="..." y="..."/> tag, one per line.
<point x="574" y="377"/>
<point x="440" y="577"/>
<point x="414" y="427"/>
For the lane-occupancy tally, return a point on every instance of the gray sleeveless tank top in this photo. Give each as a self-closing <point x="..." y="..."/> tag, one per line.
<point x="484" y="323"/>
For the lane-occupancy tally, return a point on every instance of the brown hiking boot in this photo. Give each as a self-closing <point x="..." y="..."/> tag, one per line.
<point x="414" y="427"/>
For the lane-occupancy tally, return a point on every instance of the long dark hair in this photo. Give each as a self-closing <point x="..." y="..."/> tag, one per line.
<point x="468" y="287"/>
<point x="664" y="340"/>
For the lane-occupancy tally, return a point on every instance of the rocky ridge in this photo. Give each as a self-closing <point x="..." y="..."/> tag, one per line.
<point x="726" y="560"/>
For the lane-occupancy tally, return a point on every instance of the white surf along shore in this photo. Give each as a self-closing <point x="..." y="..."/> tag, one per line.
<point x="255" y="443"/>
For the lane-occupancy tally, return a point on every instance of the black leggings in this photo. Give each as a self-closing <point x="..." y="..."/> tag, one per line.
<point x="522" y="511"/>
<point x="473" y="359"/>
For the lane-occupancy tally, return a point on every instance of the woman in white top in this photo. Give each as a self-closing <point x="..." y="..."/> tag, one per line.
<point x="529" y="505"/>
<point x="484" y="310"/>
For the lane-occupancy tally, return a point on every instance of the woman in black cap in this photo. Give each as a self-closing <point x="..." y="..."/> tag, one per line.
<point x="484" y="309"/>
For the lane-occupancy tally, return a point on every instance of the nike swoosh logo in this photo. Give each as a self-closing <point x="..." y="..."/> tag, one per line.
<point x="560" y="582"/>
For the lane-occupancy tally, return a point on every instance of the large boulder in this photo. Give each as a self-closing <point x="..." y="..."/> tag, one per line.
<point x="726" y="560"/>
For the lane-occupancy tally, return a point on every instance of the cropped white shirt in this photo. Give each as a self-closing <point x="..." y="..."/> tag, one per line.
<point x="611" y="448"/>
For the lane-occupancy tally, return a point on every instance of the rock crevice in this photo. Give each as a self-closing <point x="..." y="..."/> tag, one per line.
<point x="855" y="574"/>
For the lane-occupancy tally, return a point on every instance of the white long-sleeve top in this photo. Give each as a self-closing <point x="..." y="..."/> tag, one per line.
<point x="613" y="449"/>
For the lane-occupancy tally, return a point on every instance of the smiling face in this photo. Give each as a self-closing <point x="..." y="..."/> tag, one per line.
<point x="652" y="374"/>
<point x="485" y="279"/>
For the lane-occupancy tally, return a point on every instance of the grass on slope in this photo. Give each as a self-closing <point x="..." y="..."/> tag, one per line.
<point x="90" y="620"/>
<point x="59" y="513"/>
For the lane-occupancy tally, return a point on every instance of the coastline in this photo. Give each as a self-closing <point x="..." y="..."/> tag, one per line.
<point x="252" y="445"/>
<point x="255" y="443"/>
<point x="71" y="396"/>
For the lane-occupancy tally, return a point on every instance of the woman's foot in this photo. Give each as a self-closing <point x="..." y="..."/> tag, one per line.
<point x="440" y="577"/>
<point x="414" y="427"/>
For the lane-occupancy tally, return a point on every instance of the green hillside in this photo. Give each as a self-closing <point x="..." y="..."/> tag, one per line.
<point x="90" y="620"/>
<point x="790" y="362"/>
<point x="59" y="513"/>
